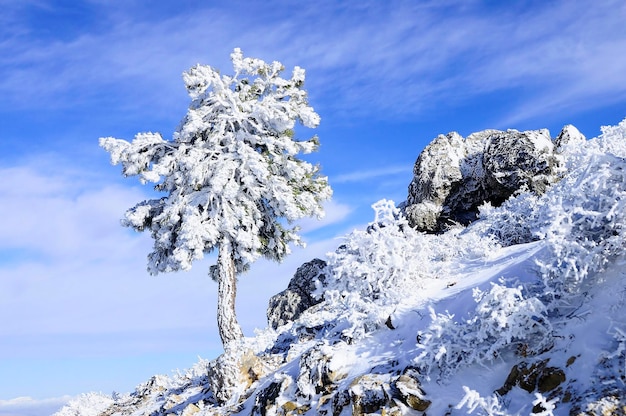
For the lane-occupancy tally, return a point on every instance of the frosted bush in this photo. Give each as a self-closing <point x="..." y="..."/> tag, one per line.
<point x="586" y="214"/>
<point x="503" y="318"/>
<point x="486" y="406"/>
<point x="390" y="259"/>
<point x="510" y="224"/>
<point x="88" y="404"/>
<point x="376" y="263"/>
<point x="194" y="376"/>
<point x="492" y="406"/>
<point x="612" y="140"/>
<point x="377" y="268"/>
<point x="581" y="218"/>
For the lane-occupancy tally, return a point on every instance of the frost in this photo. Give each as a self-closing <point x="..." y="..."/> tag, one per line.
<point x="489" y="406"/>
<point x="375" y="269"/>
<point x="503" y="318"/>
<point x="88" y="404"/>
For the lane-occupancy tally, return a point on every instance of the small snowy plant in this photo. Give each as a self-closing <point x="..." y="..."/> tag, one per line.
<point x="376" y="263"/>
<point x="372" y="270"/>
<point x="502" y="319"/>
<point x="486" y="406"/>
<point x="87" y="404"/>
<point x="581" y="219"/>
<point x="231" y="175"/>
<point x="376" y="269"/>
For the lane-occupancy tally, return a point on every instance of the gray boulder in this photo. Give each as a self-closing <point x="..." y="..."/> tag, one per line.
<point x="289" y="304"/>
<point x="453" y="176"/>
<point x="519" y="160"/>
<point x="435" y="175"/>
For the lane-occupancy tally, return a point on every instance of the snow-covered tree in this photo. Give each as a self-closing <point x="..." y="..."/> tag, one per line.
<point x="231" y="175"/>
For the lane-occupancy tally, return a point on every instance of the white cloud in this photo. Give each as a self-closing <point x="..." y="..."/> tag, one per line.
<point x="60" y="215"/>
<point x="335" y="212"/>
<point x="27" y="406"/>
<point x="365" y="175"/>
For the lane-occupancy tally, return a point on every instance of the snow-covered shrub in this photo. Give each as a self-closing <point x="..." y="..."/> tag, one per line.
<point x="376" y="263"/>
<point x="88" y="404"/>
<point x="581" y="219"/>
<point x="503" y="318"/>
<point x="511" y="223"/>
<point x="486" y="406"/>
<point x="586" y="215"/>
<point x="377" y="268"/>
<point x="612" y="140"/>
<point x="389" y="260"/>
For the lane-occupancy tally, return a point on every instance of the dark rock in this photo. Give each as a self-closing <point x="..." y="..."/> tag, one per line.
<point x="367" y="394"/>
<point x="410" y="393"/>
<point x="571" y="360"/>
<point x="536" y="376"/>
<point x="340" y="400"/>
<point x="568" y="138"/>
<point x="289" y="304"/>
<point x="550" y="379"/>
<point x="437" y="172"/>
<point x="453" y="176"/>
<point x="315" y="376"/>
<point x="266" y="398"/>
<point x="515" y="160"/>
<point x="265" y="402"/>
<point x="389" y="324"/>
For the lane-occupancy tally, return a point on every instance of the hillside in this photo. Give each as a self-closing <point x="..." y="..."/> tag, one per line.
<point x="509" y="300"/>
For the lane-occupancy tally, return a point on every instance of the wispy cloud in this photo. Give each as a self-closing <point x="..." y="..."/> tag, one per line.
<point x="365" y="175"/>
<point x="26" y="406"/>
<point x="375" y="60"/>
<point x="335" y="212"/>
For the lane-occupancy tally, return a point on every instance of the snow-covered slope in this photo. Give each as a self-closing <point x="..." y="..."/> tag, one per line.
<point x="520" y="313"/>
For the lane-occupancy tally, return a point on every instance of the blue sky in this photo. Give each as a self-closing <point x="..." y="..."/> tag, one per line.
<point x="78" y="310"/>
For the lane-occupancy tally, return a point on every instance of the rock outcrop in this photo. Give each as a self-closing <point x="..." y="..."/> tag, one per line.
<point x="453" y="176"/>
<point x="289" y="304"/>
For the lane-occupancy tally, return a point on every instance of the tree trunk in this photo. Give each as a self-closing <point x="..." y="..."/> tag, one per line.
<point x="227" y="324"/>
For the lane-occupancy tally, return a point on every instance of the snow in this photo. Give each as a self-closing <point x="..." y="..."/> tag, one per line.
<point x="539" y="281"/>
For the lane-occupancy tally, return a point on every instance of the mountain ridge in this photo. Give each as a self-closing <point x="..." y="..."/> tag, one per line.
<point x="519" y="312"/>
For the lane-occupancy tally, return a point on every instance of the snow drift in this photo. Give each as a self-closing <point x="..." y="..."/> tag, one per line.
<point x="519" y="313"/>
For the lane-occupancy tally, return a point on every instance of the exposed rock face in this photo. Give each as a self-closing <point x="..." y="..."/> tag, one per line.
<point x="410" y="392"/>
<point x="289" y="304"/>
<point x="315" y="374"/>
<point x="266" y="403"/>
<point x="453" y="176"/>
<point x="368" y="394"/>
<point x="534" y="377"/>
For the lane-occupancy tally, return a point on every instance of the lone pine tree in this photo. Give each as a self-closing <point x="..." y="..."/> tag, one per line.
<point x="230" y="175"/>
